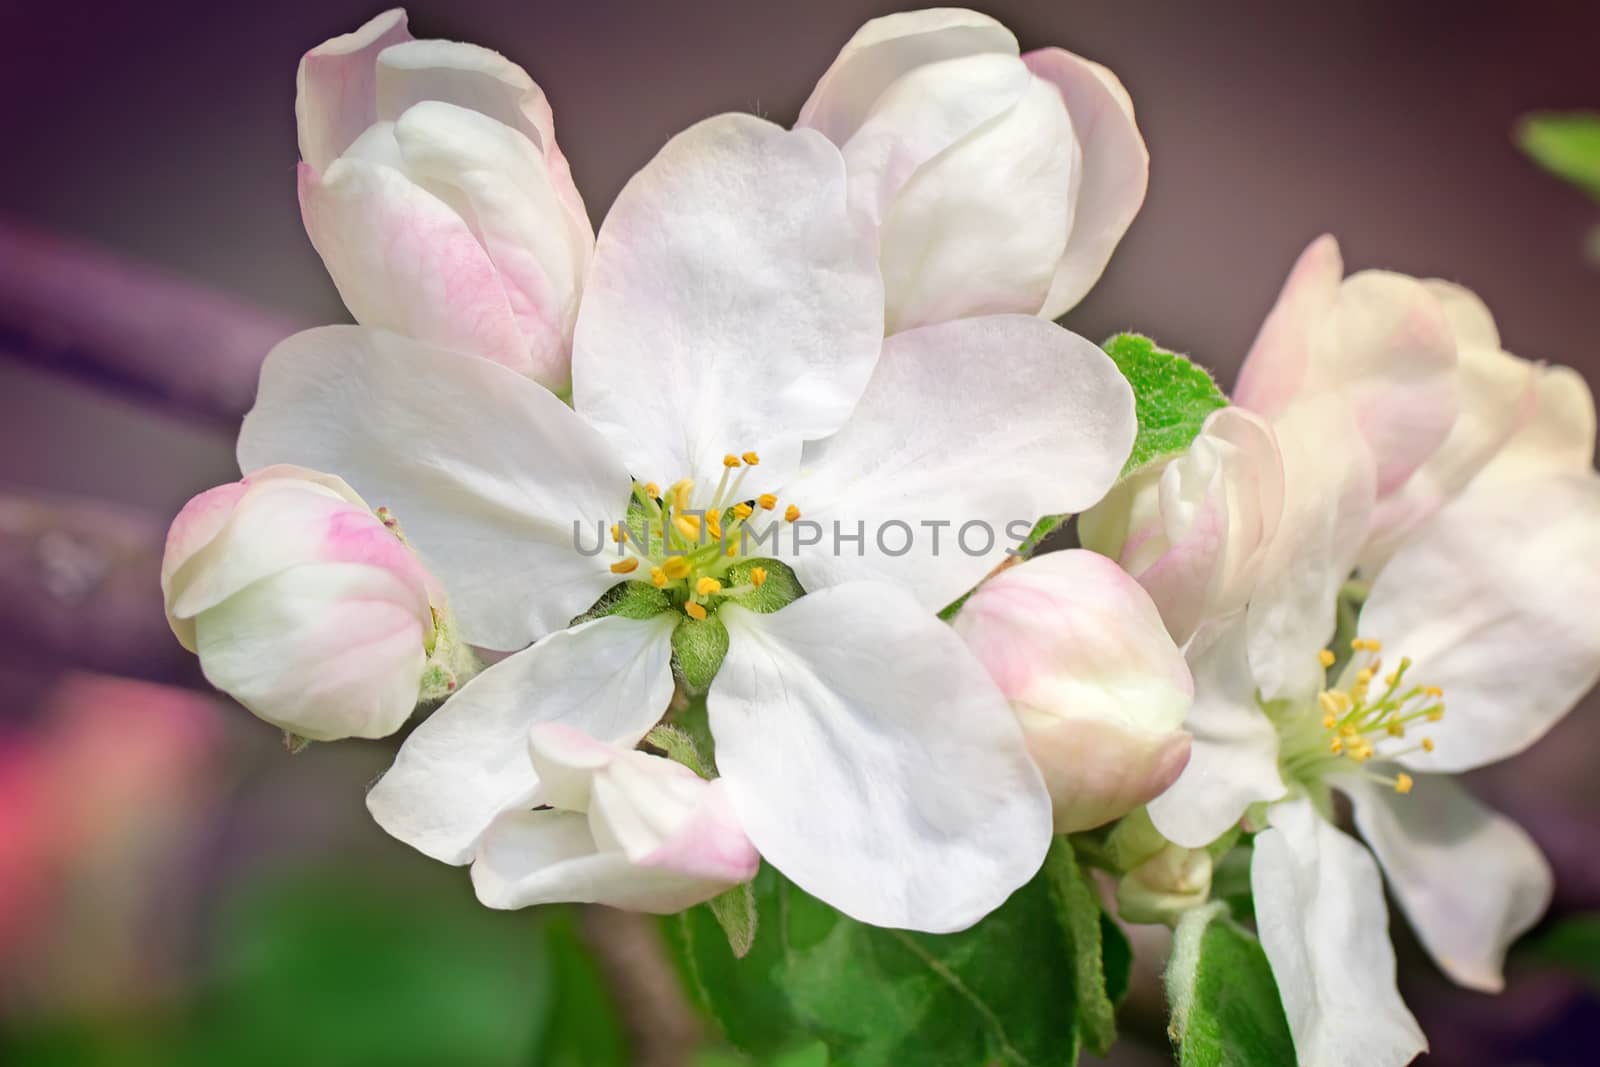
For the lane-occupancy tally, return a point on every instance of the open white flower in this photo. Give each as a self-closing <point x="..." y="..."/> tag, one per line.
<point x="613" y="826"/>
<point x="1481" y="639"/>
<point x="998" y="182"/>
<point x="731" y="329"/>
<point x="432" y="186"/>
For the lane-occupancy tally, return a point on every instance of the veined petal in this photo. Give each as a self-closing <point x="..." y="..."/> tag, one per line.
<point x="468" y="762"/>
<point x="1116" y="170"/>
<point x="1470" y="880"/>
<point x="489" y="474"/>
<point x="940" y="438"/>
<point x="1493" y="600"/>
<point x="733" y="305"/>
<point x="403" y="260"/>
<point x="980" y="229"/>
<point x="873" y="762"/>
<point x="1325" y="928"/>
<point x="336" y="96"/>
<point x="1233" y="754"/>
<point x="887" y="48"/>
<point x="1274" y="371"/>
<point x="495" y="179"/>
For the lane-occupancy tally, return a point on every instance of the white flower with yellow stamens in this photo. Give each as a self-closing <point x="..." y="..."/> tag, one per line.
<point x="729" y="347"/>
<point x="1469" y="515"/>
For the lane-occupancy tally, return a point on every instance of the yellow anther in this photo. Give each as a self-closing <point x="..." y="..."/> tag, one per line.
<point x="1366" y="644"/>
<point x="1392" y="678"/>
<point x="1362" y="753"/>
<point x="688" y="526"/>
<point x="1427" y="744"/>
<point x="1329" y="720"/>
<point x="675" y="567"/>
<point x="1396" y="728"/>
<point x="680" y="493"/>
<point x="1326" y="657"/>
<point x="1435" y="714"/>
<point x="714" y="525"/>
<point x="1349" y="731"/>
<point x="694" y="611"/>
<point x="750" y="459"/>
<point x="625" y="566"/>
<point x="1364" y="676"/>
<point x="742" y="510"/>
<point x="707" y="586"/>
<point x="791" y="513"/>
<point x="730" y="461"/>
<point x="1402" y="784"/>
<point x="652" y="491"/>
<point x="1432" y="691"/>
<point x="758" y="576"/>
<point x="658" y="577"/>
<point x="767" y="501"/>
<point x="1335" y="745"/>
<point x="732" y="549"/>
<point x="1334" y="701"/>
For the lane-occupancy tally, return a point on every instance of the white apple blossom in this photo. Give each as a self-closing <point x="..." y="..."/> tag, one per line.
<point x="432" y="186"/>
<point x="301" y="603"/>
<point x="612" y="826"/>
<point x="1476" y="638"/>
<point x="998" y="182"/>
<point x="731" y="328"/>
<point x="1100" y="689"/>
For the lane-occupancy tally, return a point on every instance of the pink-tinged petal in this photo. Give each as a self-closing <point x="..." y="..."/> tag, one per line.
<point x="1116" y="170"/>
<point x="403" y="260"/>
<point x="734" y="304"/>
<point x="711" y="845"/>
<point x="664" y="816"/>
<point x="1493" y="600"/>
<point x="1275" y="370"/>
<point x="887" y="48"/>
<point x="484" y="81"/>
<point x="336" y="95"/>
<point x="495" y="179"/>
<point x="1558" y="438"/>
<point x="1471" y="881"/>
<point x="195" y="527"/>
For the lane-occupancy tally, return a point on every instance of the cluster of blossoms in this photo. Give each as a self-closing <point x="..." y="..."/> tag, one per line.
<point x="850" y="320"/>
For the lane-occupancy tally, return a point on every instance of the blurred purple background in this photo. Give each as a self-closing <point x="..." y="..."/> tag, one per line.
<point x="152" y="146"/>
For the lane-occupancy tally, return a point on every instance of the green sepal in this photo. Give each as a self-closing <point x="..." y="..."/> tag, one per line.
<point x="780" y="589"/>
<point x="736" y="912"/>
<point x="631" y="600"/>
<point x="1172" y="397"/>
<point x="676" y="744"/>
<point x="698" y="649"/>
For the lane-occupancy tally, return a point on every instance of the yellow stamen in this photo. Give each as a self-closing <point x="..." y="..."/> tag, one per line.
<point x="688" y="526"/>
<point x="625" y="566"/>
<point x="791" y="513"/>
<point x="758" y="576"/>
<point x="751" y="459"/>
<point x="707" y="586"/>
<point x="1335" y="745"/>
<point x="1427" y="744"/>
<point x="694" y="611"/>
<point x="767" y="501"/>
<point x="714" y="525"/>
<point x="680" y="494"/>
<point x="652" y="490"/>
<point x="658" y="577"/>
<point x="1435" y="714"/>
<point x="1326" y="657"/>
<point x="742" y="510"/>
<point x="730" y="461"/>
<point x="675" y="567"/>
<point x="1402" y="784"/>
<point x="1395" y="727"/>
<point x="1432" y="691"/>
<point x="616" y="532"/>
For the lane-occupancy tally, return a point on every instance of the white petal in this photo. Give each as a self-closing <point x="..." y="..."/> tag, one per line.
<point x="1325" y="928"/>
<point x="1470" y="880"/>
<point x="403" y="260"/>
<point x="468" y="761"/>
<point x="873" y="762"/>
<point x="1329" y="487"/>
<point x="1233" y="755"/>
<point x="1494" y="602"/>
<point x="940" y="438"/>
<point x="1274" y="371"/>
<point x="981" y="229"/>
<point x="1557" y="439"/>
<point x="486" y="471"/>
<point x="565" y="759"/>
<point x="887" y="48"/>
<point x="733" y="304"/>
<point x="326" y="651"/>
<point x="336" y="96"/>
<point x="494" y="177"/>
<point x="1116" y="170"/>
<point x="663" y="816"/>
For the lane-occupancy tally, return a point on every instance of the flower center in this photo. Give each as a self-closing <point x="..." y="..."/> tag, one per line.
<point x="688" y="552"/>
<point x="1368" y="715"/>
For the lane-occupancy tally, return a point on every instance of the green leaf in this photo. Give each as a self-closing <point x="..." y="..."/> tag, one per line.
<point x="1571" y="945"/>
<point x="1567" y="144"/>
<point x="1226" y="1011"/>
<point x="1078" y="908"/>
<point x="1010" y="990"/>
<point x="1171" y="397"/>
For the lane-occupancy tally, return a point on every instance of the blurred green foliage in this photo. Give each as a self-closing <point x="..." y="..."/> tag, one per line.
<point x="1567" y="144"/>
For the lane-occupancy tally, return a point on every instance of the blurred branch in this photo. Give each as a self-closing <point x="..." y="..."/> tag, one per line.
<point x="663" y="1030"/>
<point x="78" y="310"/>
<point x="80" y="580"/>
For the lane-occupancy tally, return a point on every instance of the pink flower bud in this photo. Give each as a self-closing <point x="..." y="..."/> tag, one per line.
<point x="1098" y="685"/>
<point x="302" y="605"/>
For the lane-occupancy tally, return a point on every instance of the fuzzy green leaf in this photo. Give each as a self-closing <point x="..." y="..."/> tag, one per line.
<point x="1567" y="144"/>
<point x="1171" y="397"/>
<point x="1226" y="1011"/>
